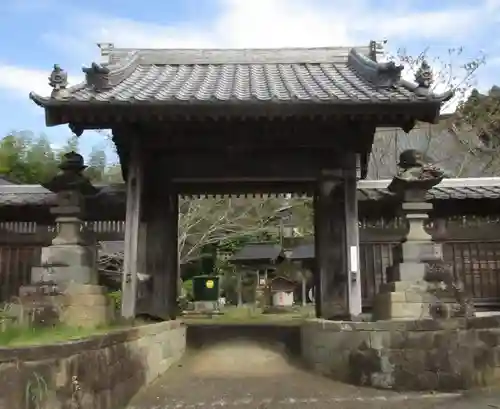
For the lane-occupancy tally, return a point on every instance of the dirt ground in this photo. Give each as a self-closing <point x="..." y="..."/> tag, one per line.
<point x="247" y="375"/>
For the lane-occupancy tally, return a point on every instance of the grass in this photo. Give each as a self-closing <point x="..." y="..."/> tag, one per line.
<point x="251" y="315"/>
<point x="18" y="335"/>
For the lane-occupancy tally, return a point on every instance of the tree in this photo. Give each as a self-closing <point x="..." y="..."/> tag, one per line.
<point x="113" y="174"/>
<point x="41" y="160"/>
<point x="218" y="221"/>
<point x="72" y="145"/>
<point x="25" y="158"/>
<point x="450" y="72"/>
<point x="453" y="71"/>
<point x="96" y="165"/>
<point x="12" y="148"/>
<point x="481" y="113"/>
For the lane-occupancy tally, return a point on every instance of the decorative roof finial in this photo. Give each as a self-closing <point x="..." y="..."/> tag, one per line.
<point x="106" y="50"/>
<point x="376" y="48"/>
<point x="97" y="76"/>
<point x="423" y="76"/>
<point x="58" y="79"/>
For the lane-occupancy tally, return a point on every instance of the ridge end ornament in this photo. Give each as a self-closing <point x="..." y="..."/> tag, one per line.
<point x="58" y="81"/>
<point x="424" y="76"/>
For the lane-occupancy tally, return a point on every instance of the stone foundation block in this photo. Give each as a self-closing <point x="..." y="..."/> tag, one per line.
<point x="401" y="305"/>
<point x="73" y="305"/>
<point x="60" y="274"/>
<point x="68" y="255"/>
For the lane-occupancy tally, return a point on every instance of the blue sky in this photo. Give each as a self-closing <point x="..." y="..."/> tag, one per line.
<point x="38" y="33"/>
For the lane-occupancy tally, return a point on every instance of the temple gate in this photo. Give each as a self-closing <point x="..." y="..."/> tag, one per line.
<point x="241" y="121"/>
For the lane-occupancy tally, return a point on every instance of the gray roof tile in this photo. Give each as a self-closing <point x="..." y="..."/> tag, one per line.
<point x="467" y="188"/>
<point x="258" y="251"/>
<point x="327" y="75"/>
<point x="302" y="252"/>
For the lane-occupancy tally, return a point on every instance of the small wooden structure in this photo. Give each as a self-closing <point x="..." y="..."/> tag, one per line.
<point x="202" y="118"/>
<point x="259" y="259"/>
<point x="282" y="291"/>
<point x="260" y="256"/>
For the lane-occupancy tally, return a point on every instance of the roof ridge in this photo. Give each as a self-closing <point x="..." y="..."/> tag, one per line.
<point x="118" y="51"/>
<point x="363" y="81"/>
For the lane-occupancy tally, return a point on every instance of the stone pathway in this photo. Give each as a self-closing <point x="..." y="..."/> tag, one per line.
<point x="247" y="376"/>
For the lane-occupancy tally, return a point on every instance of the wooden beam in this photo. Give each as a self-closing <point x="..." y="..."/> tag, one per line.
<point x="132" y="224"/>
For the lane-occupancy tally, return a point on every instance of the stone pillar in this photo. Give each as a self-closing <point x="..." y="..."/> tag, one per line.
<point x="67" y="278"/>
<point x="420" y="285"/>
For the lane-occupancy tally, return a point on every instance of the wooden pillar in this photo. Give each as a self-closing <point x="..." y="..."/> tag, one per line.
<point x="352" y="237"/>
<point x="162" y="259"/>
<point x="239" y="288"/>
<point x="303" y="289"/>
<point x="131" y="241"/>
<point x="330" y="249"/>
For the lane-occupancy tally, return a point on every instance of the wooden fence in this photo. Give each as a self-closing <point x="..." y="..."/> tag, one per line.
<point x="471" y="247"/>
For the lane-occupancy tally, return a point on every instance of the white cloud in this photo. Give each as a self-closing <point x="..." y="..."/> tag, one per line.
<point x="20" y="81"/>
<point x="23" y="80"/>
<point x="273" y="23"/>
<point x="256" y="23"/>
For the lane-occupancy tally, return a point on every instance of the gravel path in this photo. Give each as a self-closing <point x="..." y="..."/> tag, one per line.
<point x="248" y="376"/>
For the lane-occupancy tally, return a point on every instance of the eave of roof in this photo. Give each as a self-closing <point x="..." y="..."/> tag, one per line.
<point x="361" y="81"/>
<point x="268" y="252"/>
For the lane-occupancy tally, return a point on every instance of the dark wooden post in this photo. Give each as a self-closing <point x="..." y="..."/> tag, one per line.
<point x="162" y="258"/>
<point x="330" y="243"/>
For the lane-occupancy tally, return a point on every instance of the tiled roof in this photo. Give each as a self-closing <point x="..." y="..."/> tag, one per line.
<point x="258" y="251"/>
<point x="467" y="188"/>
<point x="302" y="252"/>
<point x="316" y="75"/>
<point x="5" y="181"/>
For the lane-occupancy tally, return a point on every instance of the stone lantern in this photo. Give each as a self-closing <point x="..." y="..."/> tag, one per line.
<point x="72" y="255"/>
<point x="420" y="285"/>
<point x="67" y="278"/>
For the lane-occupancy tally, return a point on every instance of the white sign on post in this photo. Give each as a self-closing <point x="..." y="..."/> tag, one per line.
<point x="311" y="294"/>
<point x="354" y="258"/>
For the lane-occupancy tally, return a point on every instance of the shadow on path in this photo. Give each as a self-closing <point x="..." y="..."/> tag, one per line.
<point x="244" y="374"/>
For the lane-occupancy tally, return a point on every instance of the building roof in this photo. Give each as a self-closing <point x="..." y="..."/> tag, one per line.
<point x="336" y="76"/>
<point x="258" y="252"/>
<point x="4" y="181"/>
<point x="459" y="188"/>
<point x="368" y="190"/>
<point x="303" y="251"/>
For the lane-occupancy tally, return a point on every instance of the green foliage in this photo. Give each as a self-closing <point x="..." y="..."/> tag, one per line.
<point x="116" y="299"/>
<point x="188" y="289"/>
<point x="454" y="70"/>
<point x="30" y="159"/>
<point x="96" y="164"/>
<point x="482" y="112"/>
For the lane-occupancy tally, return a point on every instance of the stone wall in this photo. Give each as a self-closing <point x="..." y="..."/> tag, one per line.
<point x="102" y="372"/>
<point x="406" y="355"/>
